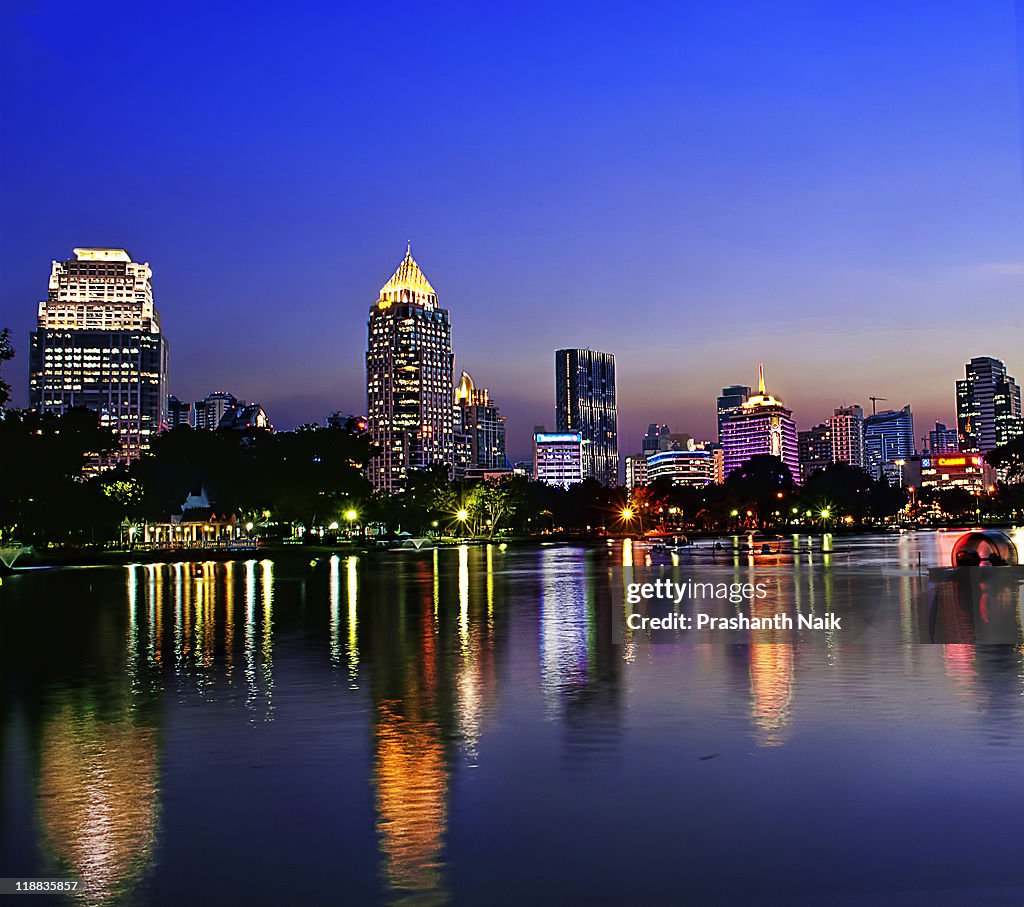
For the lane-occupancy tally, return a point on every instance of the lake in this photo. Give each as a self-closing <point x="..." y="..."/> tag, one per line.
<point x="470" y="726"/>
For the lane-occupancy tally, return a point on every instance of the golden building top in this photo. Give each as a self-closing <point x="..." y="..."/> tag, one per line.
<point x="762" y="397"/>
<point x="407" y="284"/>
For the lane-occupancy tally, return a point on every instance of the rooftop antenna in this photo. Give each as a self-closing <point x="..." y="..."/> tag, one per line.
<point x="874" y="400"/>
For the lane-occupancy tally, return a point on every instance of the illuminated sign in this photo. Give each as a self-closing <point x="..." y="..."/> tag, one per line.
<point x="958" y="461"/>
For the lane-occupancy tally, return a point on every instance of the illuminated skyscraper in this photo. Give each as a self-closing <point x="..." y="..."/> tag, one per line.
<point x="889" y="443"/>
<point x="762" y="425"/>
<point x="409" y="388"/>
<point x="98" y="344"/>
<point x="479" y="429"/>
<point x="585" y="402"/>
<point x="988" y="406"/>
<point x="846" y="434"/>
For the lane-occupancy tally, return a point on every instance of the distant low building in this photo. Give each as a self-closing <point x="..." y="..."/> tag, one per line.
<point x="636" y="471"/>
<point x="178" y="412"/>
<point x="943" y="472"/>
<point x="815" y="449"/>
<point x="690" y="467"/>
<point x="243" y="417"/>
<point x="943" y="440"/>
<point x="558" y="458"/>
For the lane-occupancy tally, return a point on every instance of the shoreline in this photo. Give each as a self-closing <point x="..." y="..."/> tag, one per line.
<point x="84" y="557"/>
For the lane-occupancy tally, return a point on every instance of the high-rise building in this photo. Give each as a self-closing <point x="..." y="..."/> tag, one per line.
<point x="98" y="344"/>
<point x="585" y="402"/>
<point x="558" y="458"/>
<point x="846" y="434"/>
<point x="178" y="412"/>
<point x="208" y="412"/>
<point x="730" y="402"/>
<point x="409" y="387"/>
<point x="889" y="442"/>
<point x="686" y="466"/>
<point x="479" y="429"/>
<point x="943" y="440"/>
<point x="988" y="406"/>
<point x="814" y="448"/>
<point x="761" y="425"/>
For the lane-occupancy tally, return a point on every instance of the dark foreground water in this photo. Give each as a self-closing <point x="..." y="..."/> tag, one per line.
<point x="463" y="727"/>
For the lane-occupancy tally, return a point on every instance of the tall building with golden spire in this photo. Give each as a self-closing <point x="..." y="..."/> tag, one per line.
<point x="409" y="386"/>
<point x="761" y="425"/>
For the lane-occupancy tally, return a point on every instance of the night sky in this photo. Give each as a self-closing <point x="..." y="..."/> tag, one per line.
<point x="834" y="188"/>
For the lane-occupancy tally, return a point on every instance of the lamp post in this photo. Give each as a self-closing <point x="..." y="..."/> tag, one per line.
<point x="350" y="517"/>
<point x="462" y="515"/>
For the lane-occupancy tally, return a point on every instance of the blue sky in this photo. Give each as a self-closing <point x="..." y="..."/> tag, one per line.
<point x="834" y="188"/>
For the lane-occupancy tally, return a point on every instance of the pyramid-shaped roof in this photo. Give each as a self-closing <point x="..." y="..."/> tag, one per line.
<point x="408" y="284"/>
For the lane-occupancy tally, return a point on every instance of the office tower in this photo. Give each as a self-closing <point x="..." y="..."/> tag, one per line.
<point x="889" y="442"/>
<point x="99" y="344"/>
<point x="178" y="412"/>
<point x="761" y="425"/>
<point x="730" y="402"/>
<point x="636" y="471"/>
<point x="409" y="388"/>
<point x="585" y="402"/>
<point x="558" y="458"/>
<point x="479" y="429"/>
<point x="846" y="431"/>
<point x="814" y="448"/>
<point x="208" y="412"/>
<point x="685" y="466"/>
<point x="943" y="440"/>
<point x="988" y="406"/>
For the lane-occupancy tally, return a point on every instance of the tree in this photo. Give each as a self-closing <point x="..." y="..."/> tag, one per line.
<point x="761" y="484"/>
<point x="6" y="355"/>
<point x="1009" y="457"/>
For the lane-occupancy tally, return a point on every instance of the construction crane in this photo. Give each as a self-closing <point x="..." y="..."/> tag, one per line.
<point x="875" y="400"/>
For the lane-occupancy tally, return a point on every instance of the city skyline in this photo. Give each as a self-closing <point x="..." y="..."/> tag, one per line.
<point x="626" y="448"/>
<point x="784" y="186"/>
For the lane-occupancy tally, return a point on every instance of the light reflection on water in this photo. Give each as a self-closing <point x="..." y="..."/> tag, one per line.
<point x="449" y="678"/>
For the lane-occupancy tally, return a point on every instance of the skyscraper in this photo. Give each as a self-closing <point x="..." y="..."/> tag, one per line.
<point x="585" y="402"/>
<point x="729" y="402"/>
<point x="988" y="406"/>
<point x="846" y="434"/>
<point x="889" y="442"/>
<point x="409" y="388"/>
<point x="479" y="428"/>
<point x="99" y="344"/>
<point x="761" y="425"/>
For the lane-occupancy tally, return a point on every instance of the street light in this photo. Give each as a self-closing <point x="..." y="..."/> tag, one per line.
<point x="627" y="513"/>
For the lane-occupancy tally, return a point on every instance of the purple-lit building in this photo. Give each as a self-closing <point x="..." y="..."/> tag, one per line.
<point x="761" y="425"/>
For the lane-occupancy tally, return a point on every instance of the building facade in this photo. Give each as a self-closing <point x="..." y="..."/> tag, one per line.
<point x="409" y="388"/>
<point x="558" y="458"/>
<point x="988" y="406"/>
<point x="889" y="443"/>
<point x="479" y="430"/>
<point x="208" y="412"/>
<point x="585" y="403"/>
<point x="943" y="472"/>
<point x="689" y="466"/>
<point x="99" y="344"/>
<point x="179" y="412"/>
<point x="814" y="447"/>
<point x="730" y="402"/>
<point x="636" y="471"/>
<point x="762" y="425"/>
<point x="943" y="440"/>
<point x="846" y="435"/>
